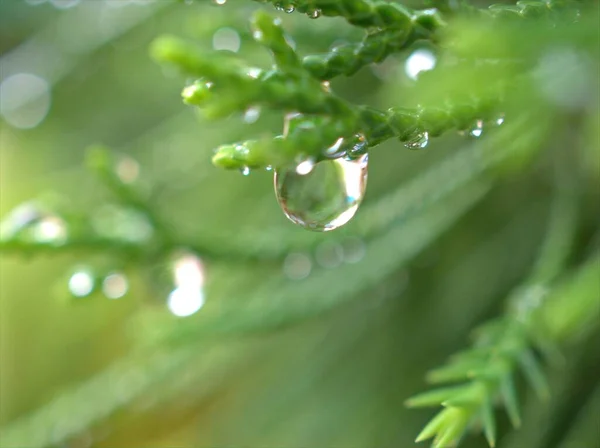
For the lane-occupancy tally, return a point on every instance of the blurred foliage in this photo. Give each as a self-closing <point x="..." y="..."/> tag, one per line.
<point x="150" y="300"/>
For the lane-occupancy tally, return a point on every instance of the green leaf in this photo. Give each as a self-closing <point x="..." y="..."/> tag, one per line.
<point x="434" y="425"/>
<point x="454" y="428"/>
<point x="534" y="374"/>
<point x="433" y="397"/>
<point x="509" y="395"/>
<point x="489" y="422"/>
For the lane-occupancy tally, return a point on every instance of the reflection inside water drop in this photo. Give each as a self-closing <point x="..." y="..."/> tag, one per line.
<point x="477" y="129"/>
<point x="418" y="141"/>
<point x="325" y="198"/>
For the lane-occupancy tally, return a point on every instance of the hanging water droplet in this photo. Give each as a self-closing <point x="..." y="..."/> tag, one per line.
<point x="278" y="6"/>
<point x="360" y="145"/>
<point x="477" y="129"/>
<point x="245" y="171"/>
<point x="418" y="141"/>
<point x="252" y="115"/>
<point x="325" y="198"/>
<point x="289" y="9"/>
<point x="314" y="14"/>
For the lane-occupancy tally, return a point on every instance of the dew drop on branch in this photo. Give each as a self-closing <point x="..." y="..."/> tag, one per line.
<point x="325" y="197"/>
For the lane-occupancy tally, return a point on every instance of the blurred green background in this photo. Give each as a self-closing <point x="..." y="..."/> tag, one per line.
<point x="369" y="318"/>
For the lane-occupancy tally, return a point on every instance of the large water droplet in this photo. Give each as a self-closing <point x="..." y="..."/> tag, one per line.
<point x="418" y="141"/>
<point x="326" y="197"/>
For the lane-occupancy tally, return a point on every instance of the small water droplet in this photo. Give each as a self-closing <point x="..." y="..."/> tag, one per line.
<point x="329" y="255"/>
<point x="477" y="129"/>
<point x="254" y="72"/>
<point x="278" y="6"/>
<point x="81" y="283"/>
<point x="499" y="120"/>
<point x="219" y="2"/>
<point x="326" y="86"/>
<point x="50" y="229"/>
<point x="418" y="141"/>
<point x="268" y="168"/>
<point x="257" y="35"/>
<point x="226" y="39"/>
<point x="188" y="276"/>
<point x="314" y="14"/>
<point x="305" y="167"/>
<point x="128" y="170"/>
<point x="354" y="250"/>
<point x="245" y="171"/>
<point x="115" y="285"/>
<point x="336" y="150"/>
<point x="252" y="114"/>
<point x="419" y="61"/>
<point x="297" y="266"/>
<point x="325" y="198"/>
<point x="289" y="9"/>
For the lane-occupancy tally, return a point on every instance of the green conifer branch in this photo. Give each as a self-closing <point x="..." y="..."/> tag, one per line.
<point x="485" y="372"/>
